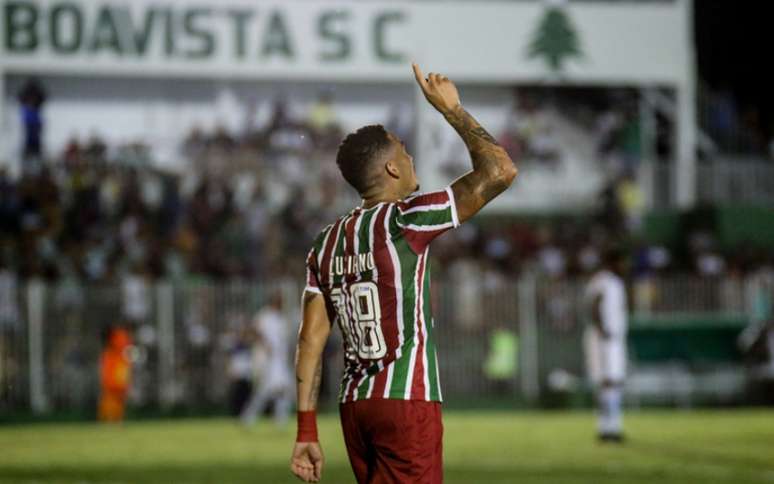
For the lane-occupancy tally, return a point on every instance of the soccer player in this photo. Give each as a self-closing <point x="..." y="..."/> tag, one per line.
<point x="274" y="381"/>
<point x="368" y="272"/>
<point x="605" y="343"/>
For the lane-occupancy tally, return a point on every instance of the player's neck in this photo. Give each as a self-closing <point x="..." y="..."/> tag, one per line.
<point x="371" y="203"/>
<point x="372" y="200"/>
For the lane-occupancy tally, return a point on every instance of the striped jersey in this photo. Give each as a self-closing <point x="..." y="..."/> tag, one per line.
<point x="371" y="266"/>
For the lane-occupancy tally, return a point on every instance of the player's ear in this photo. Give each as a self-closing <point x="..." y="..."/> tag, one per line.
<point x="392" y="169"/>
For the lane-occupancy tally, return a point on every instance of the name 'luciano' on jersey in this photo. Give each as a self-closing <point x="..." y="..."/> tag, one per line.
<point x="352" y="264"/>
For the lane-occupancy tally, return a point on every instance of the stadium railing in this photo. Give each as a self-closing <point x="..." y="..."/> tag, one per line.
<point x="517" y="342"/>
<point x="722" y="180"/>
<point x="739" y="179"/>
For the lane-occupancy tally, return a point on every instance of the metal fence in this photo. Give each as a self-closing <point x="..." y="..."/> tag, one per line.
<point x="725" y="179"/>
<point x="736" y="180"/>
<point x="518" y="340"/>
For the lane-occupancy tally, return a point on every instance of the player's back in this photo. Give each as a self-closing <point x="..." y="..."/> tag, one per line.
<point x="610" y="287"/>
<point x="371" y="265"/>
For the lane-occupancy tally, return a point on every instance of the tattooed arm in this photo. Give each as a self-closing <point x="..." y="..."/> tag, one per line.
<point x="312" y="336"/>
<point x="307" y="459"/>
<point x="493" y="170"/>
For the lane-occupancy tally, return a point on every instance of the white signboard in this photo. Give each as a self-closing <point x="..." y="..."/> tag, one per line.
<point x="488" y="42"/>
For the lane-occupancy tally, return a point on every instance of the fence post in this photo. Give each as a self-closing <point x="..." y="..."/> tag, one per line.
<point x="35" y="311"/>
<point x="165" y="314"/>
<point x="291" y="298"/>
<point x="647" y="167"/>
<point x="527" y="293"/>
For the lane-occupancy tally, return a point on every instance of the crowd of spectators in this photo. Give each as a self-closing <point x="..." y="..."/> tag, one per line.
<point x="608" y="117"/>
<point x="573" y="248"/>
<point x="86" y="218"/>
<point x="254" y="200"/>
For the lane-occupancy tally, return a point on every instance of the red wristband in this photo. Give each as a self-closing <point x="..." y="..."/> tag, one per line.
<point x="307" y="426"/>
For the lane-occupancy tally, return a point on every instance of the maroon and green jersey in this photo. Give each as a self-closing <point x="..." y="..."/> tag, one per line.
<point x="371" y="266"/>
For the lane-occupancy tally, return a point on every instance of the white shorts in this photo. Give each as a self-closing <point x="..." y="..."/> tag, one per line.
<point x="605" y="358"/>
<point x="276" y="378"/>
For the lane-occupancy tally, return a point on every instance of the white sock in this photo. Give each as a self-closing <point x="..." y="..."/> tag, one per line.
<point x="610" y="411"/>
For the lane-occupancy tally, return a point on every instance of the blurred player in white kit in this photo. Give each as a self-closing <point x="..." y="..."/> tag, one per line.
<point x="273" y="382"/>
<point x="605" y="342"/>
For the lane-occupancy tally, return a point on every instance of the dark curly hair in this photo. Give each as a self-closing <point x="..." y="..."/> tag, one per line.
<point x="358" y="152"/>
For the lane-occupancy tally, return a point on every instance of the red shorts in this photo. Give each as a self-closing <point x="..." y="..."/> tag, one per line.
<point x="394" y="441"/>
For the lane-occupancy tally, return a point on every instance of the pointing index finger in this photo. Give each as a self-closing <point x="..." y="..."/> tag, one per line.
<point x="419" y="76"/>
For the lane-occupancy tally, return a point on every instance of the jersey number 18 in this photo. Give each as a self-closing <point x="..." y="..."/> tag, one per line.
<point x="365" y="335"/>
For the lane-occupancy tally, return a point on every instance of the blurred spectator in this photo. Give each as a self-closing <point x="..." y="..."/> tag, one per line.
<point x="321" y="115"/>
<point x="752" y="137"/>
<point x="257" y="219"/>
<point x="500" y="364"/>
<point x="529" y="133"/>
<point x="620" y="138"/>
<point x="551" y="258"/>
<point x="399" y="123"/>
<point x="722" y="117"/>
<point x="31" y="99"/>
<point x="323" y="123"/>
<point x="735" y="129"/>
<point x="588" y="258"/>
<point x="630" y="140"/>
<point x="285" y="135"/>
<point x="115" y="375"/>
<point x="222" y="139"/>
<point x="631" y="201"/>
<point x="195" y="144"/>
<point x="710" y="264"/>
<point x="610" y="212"/>
<point x="295" y="217"/>
<point x="544" y="146"/>
<point x="240" y="371"/>
<point x="71" y="156"/>
<point x="9" y="210"/>
<point x="135" y="296"/>
<point x="96" y="149"/>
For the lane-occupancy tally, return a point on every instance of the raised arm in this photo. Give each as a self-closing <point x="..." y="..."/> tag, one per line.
<point x="307" y="460"/>
<point x="493" y="170"/>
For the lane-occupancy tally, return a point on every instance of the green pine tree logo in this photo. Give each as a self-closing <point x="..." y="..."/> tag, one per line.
<point x="555" y="40"/>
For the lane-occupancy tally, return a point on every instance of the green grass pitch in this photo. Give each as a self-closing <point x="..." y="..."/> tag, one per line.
<point x="665" y="447"/>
